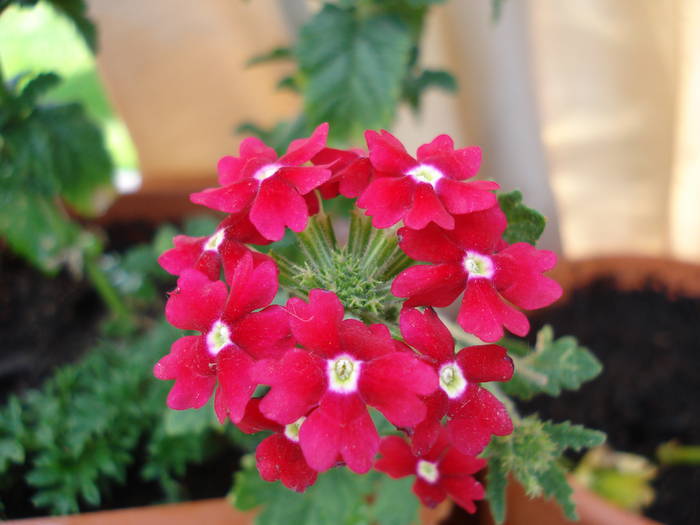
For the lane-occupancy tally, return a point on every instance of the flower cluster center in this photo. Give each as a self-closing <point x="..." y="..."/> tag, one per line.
<point x="478" y="266"/>
<point x="343" y="374"/>
<point x="291" y="431"/>
<point x="452" y="380"/>
<point x="218" y="337"/>
<point x="426" y="173"/>
<point x="214" y="241"/>
<point x="428" y="471"/>
<point x="266" y="172"/>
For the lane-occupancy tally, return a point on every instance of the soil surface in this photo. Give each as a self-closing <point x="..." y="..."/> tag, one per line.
<point x="649" y="344"/>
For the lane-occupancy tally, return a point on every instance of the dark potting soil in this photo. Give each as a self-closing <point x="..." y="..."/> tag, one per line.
<point x="649" y="344"/>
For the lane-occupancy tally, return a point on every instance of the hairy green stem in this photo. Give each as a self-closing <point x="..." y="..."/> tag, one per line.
<point x="107" y="292"/>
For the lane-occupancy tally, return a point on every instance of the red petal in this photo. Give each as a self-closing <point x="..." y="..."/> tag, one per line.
<point x="440" y="145"/>
<point x="341" y="425"/>
<point x="251" y="287"/>
<point x="188" y="364"/>
<point x="265" y="334"/>
<point x="184" y="255"/>
<point x="254" y="421"/>
<point x="387" y="154"/>
<point x="430" y="494"/>
<point x="254" y="147"/>
<point x="239" y="228"/>
<point x="430" y="244"/>
<point x="355" y="178"/>
<point x="387" y="199"/>
<point x="480" y="231"/>
<point x="302" y="150"/>
<point x="427" y="208"/>
<point x="464" y="197"/>
<point x="315" y="325"/>
<point x="454" y="463"/>
<point x="306" y="178"/>
<point x="427" y="334"/>
<point x="484" y="363"/>
<point x="277" y="205"/>
<point x="196" y="302"/>
<point x="364" y="342"/>
<point x="464" y="491"/>
<point x="519" y="276"/>
<point x="426" y="433"/>
<point x="278" y="458"/>
<point x="230" y="169"/>
<point x="478" y="415"/>
<point x="236" y="387"/>
<point x="230" y="199"/>
<point x="392" y="384"/>
<point x="396" y="459"/>
<point x="484" y="314"/>
<point x="298" y="382"/>
<point x="428" y="285"/>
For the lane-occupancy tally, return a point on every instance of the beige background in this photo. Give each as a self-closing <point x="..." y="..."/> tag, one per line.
<point x="591" y="107"/>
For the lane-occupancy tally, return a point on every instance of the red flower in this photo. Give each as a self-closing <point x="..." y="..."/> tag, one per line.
<point x="345" y="366"/>
<point x="440" y="472"/>
<point x="231" y="337"/>
<point x="278" y="456"/>
<point x="474" y="259"/>
<point x="269" y="189"/>
<point x="473" y="413"/>
<point x="430" y="189"/>
<point x="351" y="171"/>
<point x="208" y="254"/>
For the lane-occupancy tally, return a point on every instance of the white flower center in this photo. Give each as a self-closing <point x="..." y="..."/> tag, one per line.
<point x="343" y="374"/>
<point x="214" y="241"/>
<point x="427" y="470"/>
<point x="452" y="380"/>
<point x="478" y="266"/>
<point x="426" y="173"/>
<point x="291" y="431"/>
<point x="218" y="337"/>
<point x="266" y="172"/>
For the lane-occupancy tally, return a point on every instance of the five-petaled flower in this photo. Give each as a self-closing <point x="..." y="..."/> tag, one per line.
<point x="439" y="472"/>
<point x="269" y="189"/>
<point x="430" y="189"/>
<point x="473" y="258"/>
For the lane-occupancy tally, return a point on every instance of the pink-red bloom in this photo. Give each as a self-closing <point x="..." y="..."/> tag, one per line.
<point x="270" y="190"/>
<point x="440" y="472"/>
<point x="474" y="259"/>
<point x="279" y="456"/>
<point x="223" y="249"/>
<point x="473" y="413"/>
<point x="429" y="189"/>
<point x="232" y="337"/>
<point x="344" y="366"/>
<point x="351" y="172"/>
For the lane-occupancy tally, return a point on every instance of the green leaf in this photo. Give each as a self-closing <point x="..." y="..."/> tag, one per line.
<point x="38" y="86"/>
<point x="524" y="224"/>
<point x="497" y="9"/>
<point x="394" y="503"/>
<point x="576" y="437"/>
<point x="496" y="483"/>
<point x="278" y="53"/>
<point x="179" y="422"/>
<point x="353" y="68"/>
<point x="555" y="485"/>
<point x="553" y="366"/>
<point x="415" y="86"/>
<point x="76" y="11"/>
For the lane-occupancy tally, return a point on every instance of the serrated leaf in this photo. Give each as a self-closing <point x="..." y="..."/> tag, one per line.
<point x="524" y="224"/>
<point x="576" y="437"/>
<point x="555" y="485"/>
<point x="496" y="483"/>
<point x="415" y="86"/>
<point x="553" y="366"/>
<point x="353" y="67"/>
<point x="278" y="53"/>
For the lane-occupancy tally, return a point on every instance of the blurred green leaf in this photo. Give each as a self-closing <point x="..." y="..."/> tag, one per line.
<point x="353" y="67"/>
<point x="524" y="224"/>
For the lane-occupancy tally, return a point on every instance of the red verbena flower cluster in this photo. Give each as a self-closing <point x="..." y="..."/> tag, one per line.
<point x="323" y="369"/>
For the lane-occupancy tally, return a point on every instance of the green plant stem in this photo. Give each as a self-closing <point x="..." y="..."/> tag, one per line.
<point x="108" y="293"/>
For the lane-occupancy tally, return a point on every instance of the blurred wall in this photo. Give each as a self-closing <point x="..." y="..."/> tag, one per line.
<point x="591" y="107"/>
